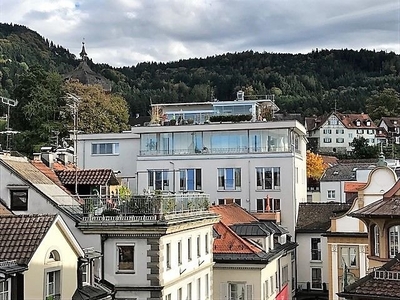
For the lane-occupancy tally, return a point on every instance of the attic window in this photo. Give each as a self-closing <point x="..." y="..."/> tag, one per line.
<point x="358" y="123"/>
<point x="368" y="123"/>
<point x="54" y="256"/>
<point x="394" y="122"/>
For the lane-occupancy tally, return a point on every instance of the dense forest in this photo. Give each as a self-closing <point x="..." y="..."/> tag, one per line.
<point x="309" y="84"/>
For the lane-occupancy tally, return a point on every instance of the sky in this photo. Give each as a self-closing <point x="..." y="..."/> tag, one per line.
<point x="127" y="32"/>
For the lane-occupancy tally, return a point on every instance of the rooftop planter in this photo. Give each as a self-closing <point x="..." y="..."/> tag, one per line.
<point x="231" y="118"/>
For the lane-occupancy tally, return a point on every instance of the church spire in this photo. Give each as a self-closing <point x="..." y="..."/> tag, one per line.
<point x="83" y="53"/>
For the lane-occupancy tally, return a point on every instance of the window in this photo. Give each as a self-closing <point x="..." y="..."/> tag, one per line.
<point x="53" y="285"/>
<point x="229" y="201"/>
<point x="179" y="294"/>
<point x="360" y="131"/>
<point x="327" y="131"/>
<point x="168" y="297"/>
<point x="350" y="135"/>
<point x="268" y="178"/>
<point x="340" y="140"/>
<point x="331" y="194"/>
<point x="376" y="240"/>
<point x="370" y="131"/>
<point x="358" y="123"/>
<point x="85" y="275"/>
<point x="349" y="256"/>
<point x="229" y="179"/>
<point x="237" y="291"/>
<point x="315" y="249"/>
<point x="207" y="288"/>
<point x="271" y="281"/>
<point x="206" y="243"/>
<point x="126" y="257"/>
<point x="285" y="274"/>
<point x="266" y="291"/>
<point x="394" y="237"/>
<point x="190" y="179"/>
<point x="316" y="278"/>
<point x="168" y="255"/>
<point x="327" y="140"/>
<point x="5" y="290"/>
<point x="198" y="246"/>
<point x="158" y="180"/>
<point x="179" y="253"/>
<point x="19" y="199"/>
<point x="339" y="131"/>
<point x="268" y="205"/>
<point x="189" y="249"/>
<point x="199" y="289"/>
<point x="105" y="148"/>
<point x="189" y="291"/>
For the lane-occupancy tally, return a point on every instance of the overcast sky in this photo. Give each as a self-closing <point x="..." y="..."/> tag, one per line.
<point x="125" y="32"/>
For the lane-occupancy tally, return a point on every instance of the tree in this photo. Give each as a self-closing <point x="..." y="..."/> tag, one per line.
<point x="99" y="112"/>
<point x="315" y="165"/>
<point x="383" y="104"/>
<point x="362" y="150"/>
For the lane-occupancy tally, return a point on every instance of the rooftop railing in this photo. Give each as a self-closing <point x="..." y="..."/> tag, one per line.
<point x="142" y="208"/>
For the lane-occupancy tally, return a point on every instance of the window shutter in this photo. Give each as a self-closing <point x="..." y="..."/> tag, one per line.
<point x="249" y="291"/>
<point x="223" y="291"/>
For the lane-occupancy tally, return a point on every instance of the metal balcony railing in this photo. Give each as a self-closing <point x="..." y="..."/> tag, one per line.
<point x="140" y="207"/>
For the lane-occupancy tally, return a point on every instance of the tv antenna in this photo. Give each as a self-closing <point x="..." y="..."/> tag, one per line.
<point x="8" y="132"/>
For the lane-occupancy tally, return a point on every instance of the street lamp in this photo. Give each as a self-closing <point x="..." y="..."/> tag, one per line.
<point x="74" y="106"/>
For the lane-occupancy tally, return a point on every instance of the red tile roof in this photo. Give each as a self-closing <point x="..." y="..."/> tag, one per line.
<point x="353" y="187"/>
<point x="233" y="214"/>
<point x="230" y="242"/>
<point x="49" y="173"/>
<point x="4" y="210"/>
<point x="21" y="235"/>
<point x="88" y="177"/>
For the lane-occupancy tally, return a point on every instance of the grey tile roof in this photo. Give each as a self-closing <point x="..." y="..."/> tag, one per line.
<point x="21" y="235"/>
<point x="316" y="217"/>
<point x="344" y="172"/>
<point x="251" y="229"/>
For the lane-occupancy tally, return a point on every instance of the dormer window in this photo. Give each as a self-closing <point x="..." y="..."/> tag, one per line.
<point x="358" y="123"/>
<point x="368" y="123"/>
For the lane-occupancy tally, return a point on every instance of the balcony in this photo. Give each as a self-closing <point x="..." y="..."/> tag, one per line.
<point x="271" y="215"/>
<point x="138" y="208"/>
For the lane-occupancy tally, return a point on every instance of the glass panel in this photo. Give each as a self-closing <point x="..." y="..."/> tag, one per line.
<point x="221" y="178"/>
<point x="198" y="179"/>
<point x="125" y="257"/>
<point x="190" y="179"/>
<point x="229" y="182"/>
<point x="238" y="180"/>
<point x="182" y="179"/>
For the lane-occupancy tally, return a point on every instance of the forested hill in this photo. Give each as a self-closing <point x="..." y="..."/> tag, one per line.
<point x="310" y="83"/>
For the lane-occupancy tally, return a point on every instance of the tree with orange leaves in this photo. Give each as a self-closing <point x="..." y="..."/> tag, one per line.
<point x="315" y="165"/>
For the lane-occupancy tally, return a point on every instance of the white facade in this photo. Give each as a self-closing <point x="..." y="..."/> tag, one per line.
<point x="210" y="166"/>
<point x="334" y="136"/>
<point x="306" y="262"/>
<point x="332" y="191"/>
<point x="116" y="151"/>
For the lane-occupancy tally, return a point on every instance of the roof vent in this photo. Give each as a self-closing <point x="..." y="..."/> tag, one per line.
<point x="335" y="173"/>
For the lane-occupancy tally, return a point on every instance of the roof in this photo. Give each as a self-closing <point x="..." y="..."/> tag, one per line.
<point x="376" y="284"/>
<point x="329" y="161"/>
<point x="88" y="292"/>
<point x="232" y="214"/>
<point x="252" y="229"/>
<point x="4" y="211"/>
<point x="316" y="217"/>
<point x="348" y="120"/>
<point x="343" y="172"/>
<point x="49" y="173"/>
<point x="88" y="177"/>
<point x="85" y="75"/>
<point x="353" y="186"/>
<point x="29" y="173"/>
<point x="21" y="235"/>
<point x="391" y="122"/>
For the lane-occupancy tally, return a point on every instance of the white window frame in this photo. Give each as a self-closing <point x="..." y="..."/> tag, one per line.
<point x="49" y="293"/>
<point x="339" y="140"/>
<point x="179" y="246"/>
<point x="316" y="251"/>
<point x="5" y="289"/>
<point x="275" y="182"/>
<point x="168" y="256"/>
<point x="327" y="140"/>
<point x="237" y="182"/>
<point x="183" y="179"/>
<point x="97" y="149"/>
<point x="376" y="240"/>
<point x="394" y="240"/>
<point x="247" y="291"/>
<point x="189" y="291"/>
<point x="331" y="194"/>
<point x="349" y="256"/>
<point x="189" y="249"/>
<point x="117" y="265"/>
<point x="206" y="244"/>
<point x="318" y="283"/>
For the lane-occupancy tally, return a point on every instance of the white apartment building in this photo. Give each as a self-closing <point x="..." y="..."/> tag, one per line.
<point x="335" y="132"/>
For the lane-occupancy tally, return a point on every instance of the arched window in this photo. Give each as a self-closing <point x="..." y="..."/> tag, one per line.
<point x="53" y="256"/>
<point x="394" y="238"/>
<point x="376" y="240"/>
